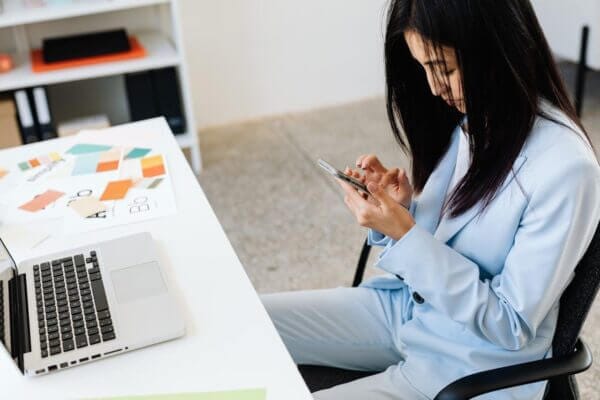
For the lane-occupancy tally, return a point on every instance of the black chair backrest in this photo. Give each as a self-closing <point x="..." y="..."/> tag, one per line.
<point x="577" y="299"/>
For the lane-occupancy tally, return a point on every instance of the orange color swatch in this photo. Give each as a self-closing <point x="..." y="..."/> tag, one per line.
<point x="34" y="163"/>
<point x="3" y="173"/>
<point x="153" y="166"/>
<point x="116" y="190"/>
<point x="107" y="166"/>
<point x="41" y="201"/>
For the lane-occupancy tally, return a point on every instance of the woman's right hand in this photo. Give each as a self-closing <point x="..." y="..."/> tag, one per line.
<point x="394" y="181"/>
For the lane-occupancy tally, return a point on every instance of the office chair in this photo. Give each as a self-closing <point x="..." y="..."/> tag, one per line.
<point x="570" y="355"/>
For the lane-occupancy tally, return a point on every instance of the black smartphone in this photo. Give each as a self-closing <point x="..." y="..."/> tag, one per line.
<point x="340" y="175"/>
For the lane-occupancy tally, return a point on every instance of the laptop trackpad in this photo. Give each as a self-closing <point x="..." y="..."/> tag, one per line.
<point x="138" y="282"/>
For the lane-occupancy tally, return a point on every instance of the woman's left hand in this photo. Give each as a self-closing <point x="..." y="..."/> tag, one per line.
<point x="384" y="215"/>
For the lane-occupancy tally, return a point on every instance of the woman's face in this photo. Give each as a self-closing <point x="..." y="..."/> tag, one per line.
<point x="443" y="74"/>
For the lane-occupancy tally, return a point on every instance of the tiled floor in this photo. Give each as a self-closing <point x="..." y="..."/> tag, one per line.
<point x="287" y="220"/>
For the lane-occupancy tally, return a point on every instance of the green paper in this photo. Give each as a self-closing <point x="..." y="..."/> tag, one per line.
<point x="24" y="166"/>
<point x="247" y="394"/>
<point x="83" y="148"/>
<point x="137" y="152"/>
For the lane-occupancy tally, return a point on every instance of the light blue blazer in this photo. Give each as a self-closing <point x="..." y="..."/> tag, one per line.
<point x="491" y="283"/>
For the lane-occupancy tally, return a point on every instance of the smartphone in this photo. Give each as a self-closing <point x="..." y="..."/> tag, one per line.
<point x="340" y="175"/>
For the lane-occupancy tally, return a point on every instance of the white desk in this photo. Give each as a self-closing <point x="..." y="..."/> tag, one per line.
<point x="230" y="342"/>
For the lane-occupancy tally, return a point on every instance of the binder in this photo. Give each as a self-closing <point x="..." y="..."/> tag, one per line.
<point x="140" y="96"/>
<point x="168" y="98"/>
<point x="42" y="111"/>
<point x="10" y="135"/>
<point x="26" y="117"/>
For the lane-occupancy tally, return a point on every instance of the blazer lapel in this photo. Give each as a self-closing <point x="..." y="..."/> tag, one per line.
<point x="449" y="227"/>
<point x="430" y="201"/>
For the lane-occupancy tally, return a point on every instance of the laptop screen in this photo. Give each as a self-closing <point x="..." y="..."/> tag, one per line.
<point x="7" y="273"/>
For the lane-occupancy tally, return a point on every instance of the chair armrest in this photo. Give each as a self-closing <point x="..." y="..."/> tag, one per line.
<point x="520" y="374"/>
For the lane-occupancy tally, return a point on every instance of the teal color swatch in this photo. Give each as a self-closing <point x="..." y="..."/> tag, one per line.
<point x="137" y="152"/>
<point x="248" y="394"/>
<point x="86" y="164"/>
<point x="82" y="148"/>
<point x="24" y="166"/>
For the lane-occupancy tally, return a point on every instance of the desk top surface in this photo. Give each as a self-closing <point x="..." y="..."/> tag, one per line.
<point x="230" y="342"/>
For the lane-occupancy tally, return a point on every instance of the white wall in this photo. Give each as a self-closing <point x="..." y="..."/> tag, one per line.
<point x="253" y="58"/>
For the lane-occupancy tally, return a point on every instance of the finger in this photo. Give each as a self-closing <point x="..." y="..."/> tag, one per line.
<point x="360" y="159"/>
<point x="402" y="176"/>
<point x="380" y="195"/>
<point x="372" y="162"/>
<point x="390" y="177"/>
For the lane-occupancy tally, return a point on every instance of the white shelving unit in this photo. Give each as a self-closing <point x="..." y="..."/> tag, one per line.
<point x="154" y="22"/>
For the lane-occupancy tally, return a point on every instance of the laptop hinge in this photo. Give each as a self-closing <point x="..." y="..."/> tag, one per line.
<point x="19" y="315"/>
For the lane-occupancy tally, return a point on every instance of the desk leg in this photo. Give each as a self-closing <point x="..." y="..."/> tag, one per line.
<point x="581" y="70"/>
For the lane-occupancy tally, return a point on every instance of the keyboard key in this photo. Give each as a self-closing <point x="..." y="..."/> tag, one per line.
<point x="78" y="324"/>
<point x="79" y="260"/>
<point x="103" y="314"/>
<point x="105" y="322"/>
<point x="79" y="331"/>
<point x="44" y="353"/>
<point x="99" y="295"/>
<point x="92" y="331"/>
<point x="106" y="329"/>
<point x="67" y="335"/>
<point x="68" y="345"/>
<point x="54" y="343"/>
<point x="81" y="341"/>
<point x="55" y="350"/>
<point x="108" y="336"/>
<point x="94" y="339"/>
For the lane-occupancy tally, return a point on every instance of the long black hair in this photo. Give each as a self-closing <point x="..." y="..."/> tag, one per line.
<point x="506" y="69"/>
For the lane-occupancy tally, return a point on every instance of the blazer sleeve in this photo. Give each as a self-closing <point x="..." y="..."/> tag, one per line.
<point x="554" y="232"/>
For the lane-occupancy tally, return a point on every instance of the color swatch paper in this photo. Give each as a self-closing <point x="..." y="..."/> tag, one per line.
<point x="153" y="166"/>
<point x="41" y="201"/>
<point x="137" y="152"/>
<point x="24" y="166"/>
<point x="116" y="190"/>
<point x="86" y="164"/>
<point x="3" y="173"/>
<point x="83" y="148"/>
<point x="247" y="394"/>
<point x="86" y="206"/>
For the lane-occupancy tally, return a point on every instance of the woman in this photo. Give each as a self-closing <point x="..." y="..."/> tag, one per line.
<point x="504" y="202"/>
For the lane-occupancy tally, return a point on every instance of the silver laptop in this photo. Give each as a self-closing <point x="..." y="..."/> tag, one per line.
<point x="85" y="304"/>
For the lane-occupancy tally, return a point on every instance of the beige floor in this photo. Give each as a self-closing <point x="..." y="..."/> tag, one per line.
<point x="286" y="219"/>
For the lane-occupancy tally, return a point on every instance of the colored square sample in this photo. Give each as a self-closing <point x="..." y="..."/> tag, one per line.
<point x="41" y="201"/>
<point x="83" y="148"/>
<point x="116" y="190"/>
<point x="55" y="156"/>
<point x="152" y="161"/>
<point x="107" y="166"/>
<point x="137" y="152"/>
<point x="34" y="163"/>
<point x="3" y="173"/>
<point x="86" y="164"/>
<point x="153" y="171"/>
<point x="24" y="166"/>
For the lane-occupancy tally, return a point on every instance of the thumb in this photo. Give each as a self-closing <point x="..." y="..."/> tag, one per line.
<point x="379" y="194"/>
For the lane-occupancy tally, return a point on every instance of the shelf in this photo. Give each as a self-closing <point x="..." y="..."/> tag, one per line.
<point x="161" y="53"/>
<point x="16" y="13"/>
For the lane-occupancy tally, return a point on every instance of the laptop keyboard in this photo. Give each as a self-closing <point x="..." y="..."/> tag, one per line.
<point x="72" y="309"/>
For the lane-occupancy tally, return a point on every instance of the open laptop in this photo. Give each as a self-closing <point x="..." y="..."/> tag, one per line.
<point x="84" y="304"/>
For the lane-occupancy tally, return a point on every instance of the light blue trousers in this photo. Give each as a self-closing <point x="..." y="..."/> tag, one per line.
<point x="350" y="328"/>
